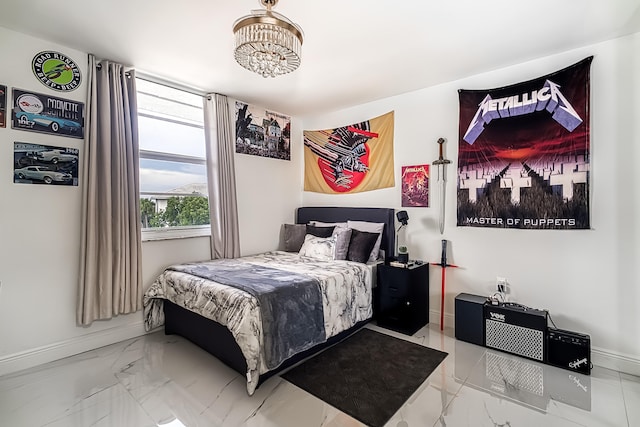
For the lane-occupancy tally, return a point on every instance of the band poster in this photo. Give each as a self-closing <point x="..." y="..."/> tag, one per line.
<point x="3" y="106"/>
<point x="36" y="112"/>
<point x="523" y="153"/>
<point x="263" y="133"/>
<point x="350" y="159"/>
<point x="415" y="186"/>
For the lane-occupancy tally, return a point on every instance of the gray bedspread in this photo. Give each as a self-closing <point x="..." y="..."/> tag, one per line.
<point x="290" y="303"/>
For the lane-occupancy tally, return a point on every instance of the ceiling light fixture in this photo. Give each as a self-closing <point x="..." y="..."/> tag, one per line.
<point x="267" y="43"/>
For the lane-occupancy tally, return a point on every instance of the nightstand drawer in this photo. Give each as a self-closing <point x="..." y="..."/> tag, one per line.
<point x="395" y="289"/>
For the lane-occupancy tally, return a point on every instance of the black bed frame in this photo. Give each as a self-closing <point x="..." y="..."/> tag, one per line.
<point x="217" y="340"/>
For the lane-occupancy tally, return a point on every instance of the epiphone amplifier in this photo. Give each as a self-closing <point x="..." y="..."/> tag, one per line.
<point x="516" y="329"/>
<point x="569" y="350"/>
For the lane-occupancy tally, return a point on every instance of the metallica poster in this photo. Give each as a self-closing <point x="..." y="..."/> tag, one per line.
<point x="350" y="159"/>
<point x="523" y="154"/>
<point x="36" y="112"/>
<point x="415" y="186"/>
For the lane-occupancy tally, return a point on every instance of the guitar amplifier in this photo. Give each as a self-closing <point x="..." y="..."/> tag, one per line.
<point x="569" y="350"/>
<point x="516" y="329"/>
<point x="470" y="318"/>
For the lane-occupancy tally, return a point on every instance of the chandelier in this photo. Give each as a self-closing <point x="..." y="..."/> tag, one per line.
<point x="267" y="43"/>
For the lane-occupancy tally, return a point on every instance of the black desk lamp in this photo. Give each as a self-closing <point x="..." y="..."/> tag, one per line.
<point x="403" y="219"/>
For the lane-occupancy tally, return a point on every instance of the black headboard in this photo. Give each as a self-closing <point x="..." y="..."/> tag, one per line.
<point x="339" y="214"/>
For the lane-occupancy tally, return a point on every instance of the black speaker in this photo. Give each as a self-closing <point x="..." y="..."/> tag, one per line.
<point x="470" y="318"/>
<point x="569" y="350"/>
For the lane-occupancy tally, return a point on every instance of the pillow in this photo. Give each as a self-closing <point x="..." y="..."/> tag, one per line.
<point x="294" y="237"/>
<point x="320" y="248"/>
<point x="329" y="224"/>
<point x="372" y="227"/>
<point x="361" y="245"/>
<point x="343" y="237"/>
<point x="319" y="231"/>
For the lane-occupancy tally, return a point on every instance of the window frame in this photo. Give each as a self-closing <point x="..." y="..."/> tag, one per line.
<point x="177" y="232"/>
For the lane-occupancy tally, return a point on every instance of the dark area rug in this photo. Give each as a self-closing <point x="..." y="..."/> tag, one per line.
<point x="369" y="375"/>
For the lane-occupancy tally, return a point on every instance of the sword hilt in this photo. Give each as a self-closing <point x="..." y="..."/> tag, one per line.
<point x="441" y="160"/>
<point x="443" y="256"/>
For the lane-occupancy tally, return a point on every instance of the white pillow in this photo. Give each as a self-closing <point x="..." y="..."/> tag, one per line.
<point x="371" y="227"/>
<point x="320" y="248"/>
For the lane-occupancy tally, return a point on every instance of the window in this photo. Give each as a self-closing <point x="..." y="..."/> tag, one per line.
<point x="174" y="199"/>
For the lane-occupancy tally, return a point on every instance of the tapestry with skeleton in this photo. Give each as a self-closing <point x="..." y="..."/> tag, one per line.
<point x="350" y="159"/>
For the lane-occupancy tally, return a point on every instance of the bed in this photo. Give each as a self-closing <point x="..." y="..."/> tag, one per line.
<point x="206" y="303"/>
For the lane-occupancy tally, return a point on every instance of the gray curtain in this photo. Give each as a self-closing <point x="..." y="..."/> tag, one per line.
<point x="223" y="205"/>
<point x="110" y="265"/>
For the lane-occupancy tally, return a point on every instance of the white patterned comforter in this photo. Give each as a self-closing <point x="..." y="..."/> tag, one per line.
<point x="346" y="300"/>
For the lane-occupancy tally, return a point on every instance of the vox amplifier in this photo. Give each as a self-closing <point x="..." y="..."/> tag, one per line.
<point x="516" y="329"/>
<point x="569" y="350"/>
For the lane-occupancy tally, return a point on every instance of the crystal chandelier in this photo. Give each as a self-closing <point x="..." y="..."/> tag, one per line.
<point x="267" y="43"/>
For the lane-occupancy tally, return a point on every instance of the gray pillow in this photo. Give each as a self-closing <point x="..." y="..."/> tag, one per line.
<point x="343" y="237"/>
<point x="294" y="236"/>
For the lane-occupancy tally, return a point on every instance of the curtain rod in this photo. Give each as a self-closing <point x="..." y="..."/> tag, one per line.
<point x="150" y="78"/>
<point x="99" y="67"/>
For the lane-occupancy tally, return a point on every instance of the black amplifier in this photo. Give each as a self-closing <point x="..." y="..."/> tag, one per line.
<point x="569" y="350"/>
<point x="516" y="329"/>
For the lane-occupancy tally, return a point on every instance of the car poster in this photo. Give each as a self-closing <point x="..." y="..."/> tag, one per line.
<point x="44" y="164"/>
<point x="3" y="106"/>
<point x="36" y="112"/>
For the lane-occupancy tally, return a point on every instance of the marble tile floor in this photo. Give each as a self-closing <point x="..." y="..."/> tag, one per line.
<point x="159" y="380"/>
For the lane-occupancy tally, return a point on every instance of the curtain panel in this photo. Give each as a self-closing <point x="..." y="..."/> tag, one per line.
<point x="110" y="267"/>
<point x="223" y="205"/>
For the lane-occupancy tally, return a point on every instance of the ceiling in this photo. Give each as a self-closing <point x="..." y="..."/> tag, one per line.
<point x="354" y="51"/>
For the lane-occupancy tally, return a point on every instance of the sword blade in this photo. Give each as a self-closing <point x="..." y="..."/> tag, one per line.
<point x="442" y="290"/>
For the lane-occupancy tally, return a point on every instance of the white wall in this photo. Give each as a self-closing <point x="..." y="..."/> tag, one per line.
<point x="589" y="280"/>
<point x="268" y="194"/>
<point x="40" y="231"/>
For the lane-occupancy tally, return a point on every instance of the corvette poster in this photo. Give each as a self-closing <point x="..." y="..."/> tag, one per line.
<point x="350" y="159"/>
<point x="524" y="155"/>
<point x="36" y="112"/>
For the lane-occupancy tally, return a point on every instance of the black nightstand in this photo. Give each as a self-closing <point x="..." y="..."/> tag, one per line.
<point x="403" y="297"/>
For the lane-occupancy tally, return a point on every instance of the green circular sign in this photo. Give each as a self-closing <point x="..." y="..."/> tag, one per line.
<point x="56" y="71"/>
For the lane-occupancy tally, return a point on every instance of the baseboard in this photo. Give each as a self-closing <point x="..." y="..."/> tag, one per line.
<point x="599" y="356"/>
<point x="48" y="353"/>
<point x="616" y="361"/>
<point x="434" y="318"/>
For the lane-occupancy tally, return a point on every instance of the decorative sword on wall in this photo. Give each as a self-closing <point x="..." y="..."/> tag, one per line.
<point x="441" y="164"/>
